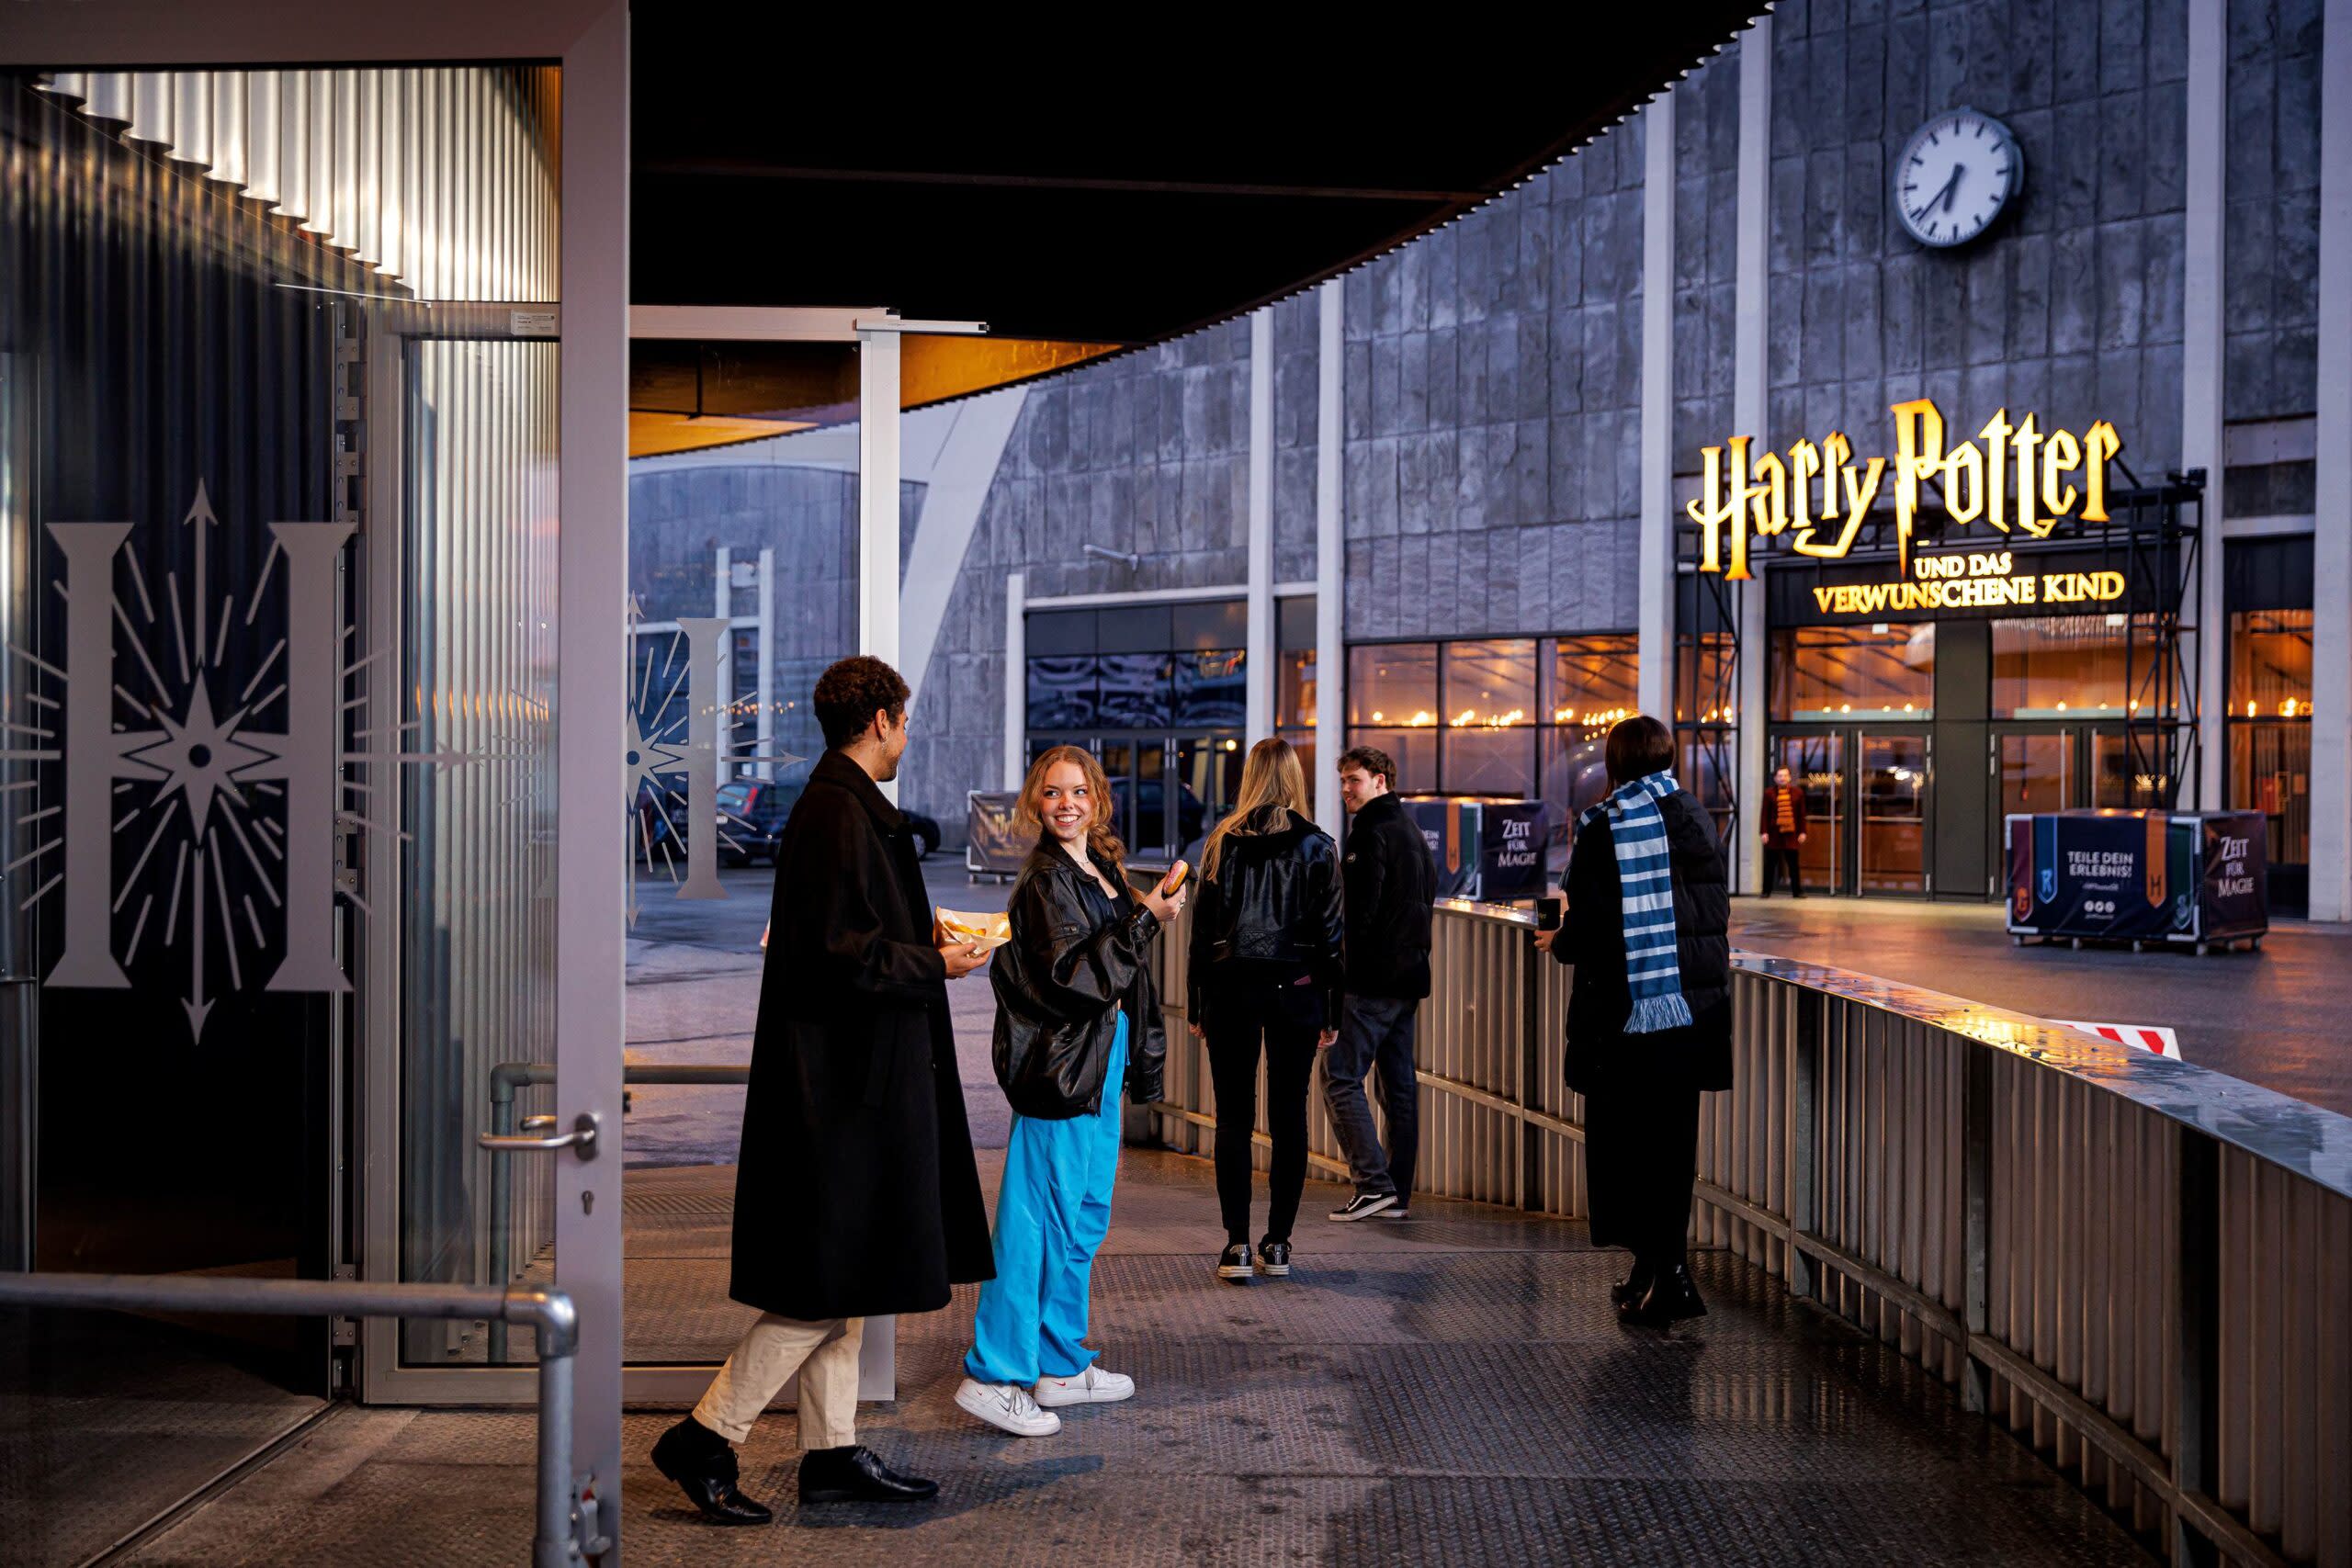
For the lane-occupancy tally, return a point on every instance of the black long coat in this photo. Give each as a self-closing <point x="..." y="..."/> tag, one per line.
<point x="1592" y="936"/>
<point x="857" y="1194"/>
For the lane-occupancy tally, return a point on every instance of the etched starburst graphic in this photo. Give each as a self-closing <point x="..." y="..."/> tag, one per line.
<point x="234" y="817"/>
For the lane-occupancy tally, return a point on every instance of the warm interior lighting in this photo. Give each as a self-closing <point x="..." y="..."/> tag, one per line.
<point x="652" y="434"/>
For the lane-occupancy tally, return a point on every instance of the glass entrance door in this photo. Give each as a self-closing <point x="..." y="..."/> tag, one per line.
<point x="1893" y="780"/>
<point x="1816" y="764"/>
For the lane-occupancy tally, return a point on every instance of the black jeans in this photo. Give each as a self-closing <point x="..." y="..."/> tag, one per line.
<point x="1774" y="859"/>
<point x="1242" y="1012"/>
<point x="1376" y="1032"/>
<point x="1642" y="1154"/>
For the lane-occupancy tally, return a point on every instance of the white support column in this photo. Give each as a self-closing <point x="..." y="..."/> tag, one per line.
<point x="2201" y="365"/>
<point x="1330" y="557"/>
<point x="722" y="604"/>
<point x="1258" y="667"/>
<point x="592" y="879"/>
<point x="1751" y="312"/>
<point x="766" y="769"/>
<point x="1016" y="677"/>
<point x="1653" y="615"/>
<point x="2332" y="524"/>
<point x="877" y="499"/>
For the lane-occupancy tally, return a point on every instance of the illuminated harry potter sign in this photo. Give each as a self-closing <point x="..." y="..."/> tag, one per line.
<point x="1983" y="579"/>
<point x="2013" y="478"/>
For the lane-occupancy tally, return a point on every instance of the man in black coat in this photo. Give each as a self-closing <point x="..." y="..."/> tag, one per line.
<point x="1389" y="883"/>
<point x="856" y="1195"/>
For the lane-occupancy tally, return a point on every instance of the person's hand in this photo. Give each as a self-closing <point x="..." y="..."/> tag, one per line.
<point x="962" y="957"/>
<point x="1543" y="940"/>
<point x="1326" y="1039"/>
<point x="1165" y="908"/>
<point x="1800" y="838"/>
<point x="1199" y="1033"/>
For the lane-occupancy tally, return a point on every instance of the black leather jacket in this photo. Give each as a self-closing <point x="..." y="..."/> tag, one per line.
<point x="1391" y="883"/>
<point x="1274" y="903"/>
<point x="1076" y="959"/>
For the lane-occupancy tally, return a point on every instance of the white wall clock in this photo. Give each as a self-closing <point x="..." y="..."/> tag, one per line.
<point x="1955" y="176"/>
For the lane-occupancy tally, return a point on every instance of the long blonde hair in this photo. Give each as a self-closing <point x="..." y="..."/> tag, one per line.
<point x="1270" y="776"/>
<point x="1029" y="810"/>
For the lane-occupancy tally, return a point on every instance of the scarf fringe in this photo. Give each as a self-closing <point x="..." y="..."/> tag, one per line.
<point x="1652" y="1014"/>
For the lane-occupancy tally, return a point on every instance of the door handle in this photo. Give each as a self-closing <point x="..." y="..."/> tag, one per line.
<point x="538" y="1133"/>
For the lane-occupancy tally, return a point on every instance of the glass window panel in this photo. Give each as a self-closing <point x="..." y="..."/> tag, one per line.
<point x="1703" y="766"/>
<point x="2270" y="664"/>
<point x="2129" y="778"/>
<point x="1294" y="622"/>
<point x="1589" y="681"/>
<point x="1061" y="632"/>
<point x="1130" y="629"/>
<point x="1885" y="671"/>
<point x="1478" y="760"/>
<point x="1393" y="684"/>
<point x="1702" y="679"/>
<point x="2270" y="771"/>
<point x="1221" y="623"/>
<point x="1294" y="689"/>
<point x="2069" y="666"/>
<point x="1136" y="691"/>
<point x="1415" y="752"/>
<point x="1490" y="683"/>
<point x="1302" y="742"/>
<point x="1575" y="777"/>
<point x="1816" y="764"/>
<point x="1210" y="690"/>
<point x="1062" y="692"/>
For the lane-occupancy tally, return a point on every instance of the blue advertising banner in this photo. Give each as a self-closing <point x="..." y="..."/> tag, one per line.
<point x="2137" y="876"/>
<point x="1490" y="850"/>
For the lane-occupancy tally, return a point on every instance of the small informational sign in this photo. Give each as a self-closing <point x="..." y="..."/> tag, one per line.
<point x="531" y="323"/>
<point x="2235" y="884"/>
<point x="1486" y="850"/>
<point x="993" y="841"/>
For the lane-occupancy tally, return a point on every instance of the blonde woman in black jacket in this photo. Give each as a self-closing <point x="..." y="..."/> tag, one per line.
<point x="1267" y="967"/>
<point x="1077" y="1021"/>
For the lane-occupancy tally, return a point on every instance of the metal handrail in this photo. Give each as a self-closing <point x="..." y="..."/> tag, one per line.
<point x="567" y="1530"/>
<point x="2135" y="1263"/>
<point x="504" y="1080"/>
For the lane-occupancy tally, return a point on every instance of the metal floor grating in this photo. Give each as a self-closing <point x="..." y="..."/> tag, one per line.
<point x="1454" y="1391"/>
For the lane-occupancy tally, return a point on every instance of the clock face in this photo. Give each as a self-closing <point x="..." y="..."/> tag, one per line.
<point x="1955" y="176"/>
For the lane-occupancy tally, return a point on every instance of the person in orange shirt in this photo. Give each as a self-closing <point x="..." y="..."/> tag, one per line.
<point x="1783" y="831"/>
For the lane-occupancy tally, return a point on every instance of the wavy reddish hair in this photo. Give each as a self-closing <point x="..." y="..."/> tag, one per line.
<point x="1099" y="837"/>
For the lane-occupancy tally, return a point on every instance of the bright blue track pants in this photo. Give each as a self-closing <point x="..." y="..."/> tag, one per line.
<point x="1051" y="1213"/>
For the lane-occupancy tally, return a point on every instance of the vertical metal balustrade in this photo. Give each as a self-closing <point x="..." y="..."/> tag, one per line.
<point x="2141" y="1268"/>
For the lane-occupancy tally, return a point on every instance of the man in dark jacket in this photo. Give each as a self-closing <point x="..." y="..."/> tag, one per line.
<point x="1641" y="1090"/>
<point x="1390" y="885"/>
<point x="856" y="1195"/>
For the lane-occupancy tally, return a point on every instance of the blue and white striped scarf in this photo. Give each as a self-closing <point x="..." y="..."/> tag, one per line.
<point x="1637" y="833"/>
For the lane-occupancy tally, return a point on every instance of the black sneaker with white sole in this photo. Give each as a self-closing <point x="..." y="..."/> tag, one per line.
<point x="1234" y="1262"/>
<point x="1364" y="1205"/>
<point x="1273" y="1259"/>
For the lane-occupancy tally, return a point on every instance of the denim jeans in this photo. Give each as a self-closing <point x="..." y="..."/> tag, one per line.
<point x="1375" y="1032"/>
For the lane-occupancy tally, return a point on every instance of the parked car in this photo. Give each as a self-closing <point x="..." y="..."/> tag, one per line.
<point x="752" y="814"/>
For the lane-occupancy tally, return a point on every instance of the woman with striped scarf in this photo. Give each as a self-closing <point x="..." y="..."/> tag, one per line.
<point x="1649" y="1013"/>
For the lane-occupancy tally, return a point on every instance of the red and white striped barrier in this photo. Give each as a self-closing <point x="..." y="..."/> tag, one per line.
<point x="2146" y="1036"/>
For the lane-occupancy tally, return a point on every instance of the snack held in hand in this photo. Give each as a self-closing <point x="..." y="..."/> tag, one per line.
<point x="981" y="931"/>
<point x="1174" y="879"/>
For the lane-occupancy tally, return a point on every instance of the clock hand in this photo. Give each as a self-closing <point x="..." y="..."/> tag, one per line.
<point x="1952" y="185"/>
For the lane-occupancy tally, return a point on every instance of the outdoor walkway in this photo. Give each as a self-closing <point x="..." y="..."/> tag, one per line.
<point x="1453" y="1390"/>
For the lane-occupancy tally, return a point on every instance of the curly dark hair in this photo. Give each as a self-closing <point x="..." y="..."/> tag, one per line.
<point x="1372" y="761"/>
<point x="851" y="692"/>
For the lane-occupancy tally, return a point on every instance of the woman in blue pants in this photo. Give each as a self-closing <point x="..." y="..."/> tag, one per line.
<point x="1077" y="1020"/>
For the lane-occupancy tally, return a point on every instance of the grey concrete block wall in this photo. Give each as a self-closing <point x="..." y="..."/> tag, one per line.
<point x="1706" y="234"/>
<point x="2270" y="180"/>
<point x="2070" y="307"/>
<point x="1148" y="452"/>
<point x="1493" y="395"/>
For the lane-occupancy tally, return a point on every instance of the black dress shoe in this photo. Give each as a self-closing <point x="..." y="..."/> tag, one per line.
<point x="859" y="1475"/>
<point x="1273" y="1259"/>
<point x="703" y="1464"/>
<point x="1670" y="1298"/>
<point x="1234" y="1263"/>
<point x="1634" y="1287"/>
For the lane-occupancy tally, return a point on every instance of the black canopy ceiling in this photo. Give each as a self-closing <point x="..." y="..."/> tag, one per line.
<point x="1124" y="195"/>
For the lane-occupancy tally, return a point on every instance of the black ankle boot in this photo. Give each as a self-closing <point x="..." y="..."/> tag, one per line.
<point x="1670" y="1298"/>
<point x="703" y="1464"/>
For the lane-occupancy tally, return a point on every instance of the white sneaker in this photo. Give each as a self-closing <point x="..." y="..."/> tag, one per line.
<point x="1008" y="1406"/>
<point x="1092" y="1386"/>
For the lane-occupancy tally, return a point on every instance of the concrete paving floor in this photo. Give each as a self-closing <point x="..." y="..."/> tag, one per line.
<point x="2280" y="1016"/>
<point x="1450" y="1389"/>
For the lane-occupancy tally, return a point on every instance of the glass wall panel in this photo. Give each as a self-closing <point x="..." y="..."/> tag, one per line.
<point x="1884" y="670"/>
<point x="1064" y="691"/>
<point x="2270" y="664"/>
<point x="1393" y="684"/>
<point x="2270" y="771"/>
<point x="1414" y="751"/>
<point x="2069" y="666"/>
<point x="1136" y="691"/>
<point x="1211" y="690"/>
<point x="1895" y="814"/>
<point x="1816" y="764"/>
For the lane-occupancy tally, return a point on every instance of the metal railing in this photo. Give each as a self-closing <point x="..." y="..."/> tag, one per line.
<point x="566" y="1531"/>
<point x="505" y="1080"/>
<point x="2140" y="1267"/>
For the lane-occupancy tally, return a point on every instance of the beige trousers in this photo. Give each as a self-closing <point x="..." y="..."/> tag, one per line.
<point x="824" y="1354"/>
